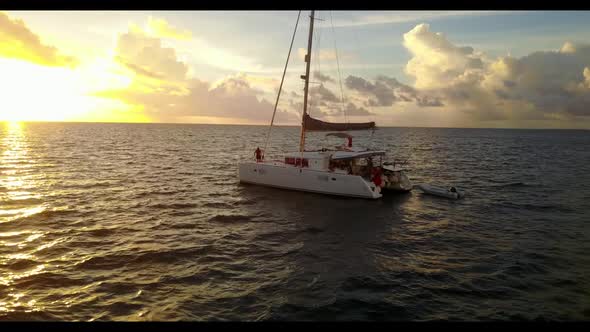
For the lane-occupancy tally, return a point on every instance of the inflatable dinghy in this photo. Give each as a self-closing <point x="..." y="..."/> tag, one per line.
<point x="452" y="192"/>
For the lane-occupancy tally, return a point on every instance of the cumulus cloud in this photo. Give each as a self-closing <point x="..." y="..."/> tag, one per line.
<point x="321" y="93"/>
<point x="161" y="28"/>
<point x="232" y="98"/>
<point x="337" y="110"/>
<point x="18" y="42"/>
<point x="542" y="85"/>
<point x="468" y="87"/>
<point x="137" y="69"/>
<point x="383" y="94"/>
<point x="324" y="103"/>
<point x="385" y="91"/>
<point x="354" y="110"/>
<point x="436" y="62"/>
<point x="162" y="88"/>
<point x="265" y="83"/>
<point x="545" y="80"/>
<point x="322" y="78"/>
<point x="146" y="55"/>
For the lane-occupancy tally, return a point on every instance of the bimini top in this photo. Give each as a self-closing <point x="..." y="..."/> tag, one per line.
<point x="340" y="155"/>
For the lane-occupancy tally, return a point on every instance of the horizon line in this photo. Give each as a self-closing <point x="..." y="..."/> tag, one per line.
<point x="266" y="125"/>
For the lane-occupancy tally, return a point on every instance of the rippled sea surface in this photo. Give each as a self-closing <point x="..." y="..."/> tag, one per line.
<point x="149" y="222"/>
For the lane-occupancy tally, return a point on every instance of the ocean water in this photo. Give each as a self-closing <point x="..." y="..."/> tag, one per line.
<point x="149" y="222"/>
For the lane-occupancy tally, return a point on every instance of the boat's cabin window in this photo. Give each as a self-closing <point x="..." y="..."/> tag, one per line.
<point x="297" y="161"/>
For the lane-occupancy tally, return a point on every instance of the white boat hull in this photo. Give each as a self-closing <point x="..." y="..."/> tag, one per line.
<point x="284" y="176"/>
<point x="440" y="191"/>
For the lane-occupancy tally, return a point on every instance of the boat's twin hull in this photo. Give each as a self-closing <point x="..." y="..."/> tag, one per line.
<point x="305" y="179"/>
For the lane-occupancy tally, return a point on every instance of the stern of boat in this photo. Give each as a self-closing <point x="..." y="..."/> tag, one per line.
<point x="397" y="181"/>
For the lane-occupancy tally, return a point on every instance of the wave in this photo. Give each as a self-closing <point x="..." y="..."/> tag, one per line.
<point x="224" y="183"/>
<point x="119" y="308"/>
<point x="102" y="232"/>
<point x="343" y="309"/>
<point x="218" y="205"/>
<point x="20" y="202"/>
<point x="162" y="192"/>
<point x="178" y="225"/>
<point x="230" y="218"/>
<point x="13" y="203"/>
<point x="244" y="202"/>
<point x="313" y="230"/>
<point x="39" y="213"/>
<point x="181" y="213"/>
<point x="174" y="206"/>
<point x="512" y="184"/>
<point x="214" y="194"/>
<point x="19" y="264"/>
<point x="34" y="315"/>
<point x="538" y="207"/>
<point x="49" y="280"/>
<point x="370" y="283"/>
<point x="171" y="256"/>
<point x="88" y="185"/>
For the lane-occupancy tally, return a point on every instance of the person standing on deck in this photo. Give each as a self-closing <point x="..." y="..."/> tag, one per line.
<point x="377" y="179"/>
<point x="258" y="154"/>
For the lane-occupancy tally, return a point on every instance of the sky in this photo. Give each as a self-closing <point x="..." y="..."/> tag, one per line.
<point x="492" y="69"/>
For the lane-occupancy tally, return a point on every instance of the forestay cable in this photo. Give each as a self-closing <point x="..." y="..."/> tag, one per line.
<point x="282" y="80"/>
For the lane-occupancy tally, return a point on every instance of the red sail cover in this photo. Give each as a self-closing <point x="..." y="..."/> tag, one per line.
<point x="312" y="124"/>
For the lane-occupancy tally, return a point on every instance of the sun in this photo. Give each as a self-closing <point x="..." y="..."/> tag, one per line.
<point x="31" y="92"/>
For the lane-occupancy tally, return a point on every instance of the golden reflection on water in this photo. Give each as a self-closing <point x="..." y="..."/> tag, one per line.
<point x="15" y="183"/>
<point x="18" y="200"/>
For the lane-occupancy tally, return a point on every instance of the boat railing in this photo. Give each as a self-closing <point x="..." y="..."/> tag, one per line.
<point x="398" y="163"/>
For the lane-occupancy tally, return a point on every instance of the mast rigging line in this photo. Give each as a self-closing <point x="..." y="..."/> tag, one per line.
<point x="338" y="66"/>
<point x="282" y="80"/>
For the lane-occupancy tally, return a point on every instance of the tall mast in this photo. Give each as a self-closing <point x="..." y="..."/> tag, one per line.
<point x="306" y="77"/>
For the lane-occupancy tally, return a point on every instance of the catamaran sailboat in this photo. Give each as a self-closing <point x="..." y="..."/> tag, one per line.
<point x="344" y="171"/>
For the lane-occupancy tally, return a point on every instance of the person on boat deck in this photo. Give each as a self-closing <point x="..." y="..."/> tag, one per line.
<point x="259" y="155"/>
<point x="377" y="178"/>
